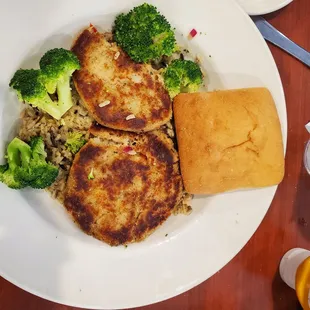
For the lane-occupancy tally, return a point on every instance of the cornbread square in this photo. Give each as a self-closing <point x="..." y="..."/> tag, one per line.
<point x="228" y="140"/>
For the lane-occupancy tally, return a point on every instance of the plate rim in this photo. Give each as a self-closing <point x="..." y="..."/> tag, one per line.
<point x="265" y="10"/>
<point x="267" y="51"/>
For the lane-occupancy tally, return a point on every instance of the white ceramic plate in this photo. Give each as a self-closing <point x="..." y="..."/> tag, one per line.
<point x="41" y="249"/>
<point x="260" y="7"/>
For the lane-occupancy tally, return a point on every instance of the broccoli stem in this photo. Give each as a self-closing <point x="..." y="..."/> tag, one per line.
<point x="18" y="153"/>
<point x="50" y="87"/>
<point x="49" y="106"/>
<point x="64" y="94"/>
<point x="27" y="165"/>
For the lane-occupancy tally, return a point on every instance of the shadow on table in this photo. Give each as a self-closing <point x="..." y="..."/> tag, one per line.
<point x="284" y="297"/>
<point x="301" y="210"/>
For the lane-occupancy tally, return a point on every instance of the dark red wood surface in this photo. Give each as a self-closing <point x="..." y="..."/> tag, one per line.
<point x="251" y="280"/>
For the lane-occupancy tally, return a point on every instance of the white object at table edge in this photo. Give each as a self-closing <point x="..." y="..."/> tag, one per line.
<point x="261" y="7"/>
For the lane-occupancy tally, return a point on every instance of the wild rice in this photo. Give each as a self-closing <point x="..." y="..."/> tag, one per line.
<point x="34" y="122"/>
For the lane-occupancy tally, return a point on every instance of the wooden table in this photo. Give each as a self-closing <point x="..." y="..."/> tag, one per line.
<point x="251" y="280"/>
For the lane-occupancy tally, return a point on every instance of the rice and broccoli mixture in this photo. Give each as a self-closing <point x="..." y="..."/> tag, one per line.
<point x="55" y="134"/>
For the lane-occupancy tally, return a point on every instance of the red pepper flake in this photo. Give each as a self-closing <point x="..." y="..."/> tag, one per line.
<point x="192" y="33"/>
<point x="127" y="149"/>
<point x="92" y="26"/>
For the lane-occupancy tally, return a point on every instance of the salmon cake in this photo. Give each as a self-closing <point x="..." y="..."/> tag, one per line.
<point x="122" y="185"/>
<point x="118" y="92"/>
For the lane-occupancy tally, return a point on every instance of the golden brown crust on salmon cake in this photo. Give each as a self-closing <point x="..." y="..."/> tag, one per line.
<point x="135" y="188"/>
<point x="118" y="92"/>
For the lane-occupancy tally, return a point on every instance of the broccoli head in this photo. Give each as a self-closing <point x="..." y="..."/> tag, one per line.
<point x="18" y="157"/>
<point x="27" y="165"/>
<point x="7" y="177"/>
<point x="144" y="34"/>
<point x="29" y="88"/>
<point x="182" y="76"/>
<point x="34" y="86"/>
<point x="39" y="167"/>
<point x="57" y="66"/>
<point x="75" y="141"/>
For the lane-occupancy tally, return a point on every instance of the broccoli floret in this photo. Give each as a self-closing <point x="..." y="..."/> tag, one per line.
<point x="34" y="86"/>
<point x="8" y="177"/>
<point x="144" y="34"/>
<point x="39" y="173"/>
<point x="182" y="76"/>
<point x="57" y="66"/>
<point x="3" y="168"/>
<point x="37" y="148"/>
<point x="27" y="165"/>
<point x="29" y="88"/>
<point x="47" y="175"/>
<point x="18" y="156"/>
<point x="75" y="141"/>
